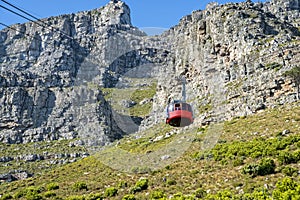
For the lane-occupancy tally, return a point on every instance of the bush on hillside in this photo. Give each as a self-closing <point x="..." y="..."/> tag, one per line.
<point x="6" y="197"/>
<point x="52" y="186"/>
<point x="80" y="186"/>
<point x="157" y="194"/>
<point x="200" y="193"/>
<point x="111" y="191"/>
<point x="129" y="197"/>
<point x="265" y="167"/>
<point x="287" y="189"/>
<point x="289" y="171"/>
<point x="140" y="185"/>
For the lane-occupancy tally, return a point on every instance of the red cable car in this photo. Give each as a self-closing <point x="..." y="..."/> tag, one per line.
<point x="180" y="113"/>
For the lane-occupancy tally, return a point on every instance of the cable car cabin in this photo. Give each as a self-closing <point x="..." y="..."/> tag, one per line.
<point x="179" y="114"/>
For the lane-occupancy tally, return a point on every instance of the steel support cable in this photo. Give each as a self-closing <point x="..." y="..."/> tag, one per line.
<point x="27" y="13"/>
<point x="30" y="36"/>
<point x="19" y="9"/>
<point x="38" y="22"/>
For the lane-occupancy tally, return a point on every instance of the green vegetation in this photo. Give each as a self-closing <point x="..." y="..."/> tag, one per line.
<point x="254" y="158"/>
<point x="134" y="94"/>
<point x="55" y="150"/>
<point x="235" y="85"/>
<point x="80" y="186"/>
<point x="110" y="192"/>
<point x="157" y="194"/>
<point x="205" y="108"/>
<point x="140" y="185"/>
<point x="52" y="186"/>
<point x="274" y="66"/>
<point x="205" y="105"/>
<point x="145" y="144"/>
<point x="129" y="197"/>
<point x="140" y="95"/>
<point x="266" y="166"/>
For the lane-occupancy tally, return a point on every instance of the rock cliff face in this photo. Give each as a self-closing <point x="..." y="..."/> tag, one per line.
<point x="233" y="56"/>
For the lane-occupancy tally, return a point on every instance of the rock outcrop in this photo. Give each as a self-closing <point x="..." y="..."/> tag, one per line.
<point x="233" y="56"/>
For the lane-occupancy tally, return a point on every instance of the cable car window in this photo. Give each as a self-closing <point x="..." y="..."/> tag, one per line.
<point x="184" y="106"/>
<point x="189" y="108"/>
<point x="177" y="106"/>
<point x="171" y="108"/>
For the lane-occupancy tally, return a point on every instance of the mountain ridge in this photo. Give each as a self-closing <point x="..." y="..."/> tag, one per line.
<point x="94" y="89"/>
<point x="227" y="43"/>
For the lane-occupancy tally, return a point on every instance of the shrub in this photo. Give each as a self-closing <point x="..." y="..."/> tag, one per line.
<point x="18" y="194"/>
<point x="158" y="194"/>
<point x="129" y="197"/>
<point x="80" y="186"/>
<point x="30" y="193"/>
<point x="52" y="186"/>
<point x="289" y="171"/>
<point x="180" y="196"/>
<point x="171" y="182"/>
<point x="111" y="191"/>
<point x="285" y="158"/>
<point x="225" y="194"/>
<point x="286" y="184"/>
<point x="75" y="197"/>
<point x="200" y="193"/>
<point x="286" y="189"/>
<point x="49" y="194"/>
<point x="122" y="184"/>
<point x="96" y="196"/>
<point x="266" y="166"/>
<point x="6" y="196"/>
<point x="258" y="194"/>
<point x="168" y="167"/>
<point x="140" y="185"/>
<point x="238" y="161"/>
<point x="296" y="156"/>
<point x="251" y="169"/>
<point x="33" y="196"/>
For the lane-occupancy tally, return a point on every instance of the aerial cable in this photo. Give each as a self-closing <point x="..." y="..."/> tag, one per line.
<point x="28" y="35"/>
<point x="27" y="13"/>
<point x="16" y="13"/>
<point x="44" y="26"/>
<point x="31" y="36"/>
<point x="19" y="9"/>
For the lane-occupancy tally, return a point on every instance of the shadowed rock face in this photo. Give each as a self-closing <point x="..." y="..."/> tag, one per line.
<point x="232" y="55"/>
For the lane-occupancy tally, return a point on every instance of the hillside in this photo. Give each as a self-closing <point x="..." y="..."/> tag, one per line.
<point x="228" y="170"/>
<point x="83" y="105"/>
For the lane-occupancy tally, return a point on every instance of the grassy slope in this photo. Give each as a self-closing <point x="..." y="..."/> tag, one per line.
<point x="195" y="171"/>
<point x="54" y="151"/>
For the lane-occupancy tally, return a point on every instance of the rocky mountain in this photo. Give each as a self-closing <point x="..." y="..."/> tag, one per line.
<point x="55" y="73"/>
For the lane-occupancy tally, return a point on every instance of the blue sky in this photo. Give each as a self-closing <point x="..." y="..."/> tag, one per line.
<point x="144" y="13"/>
